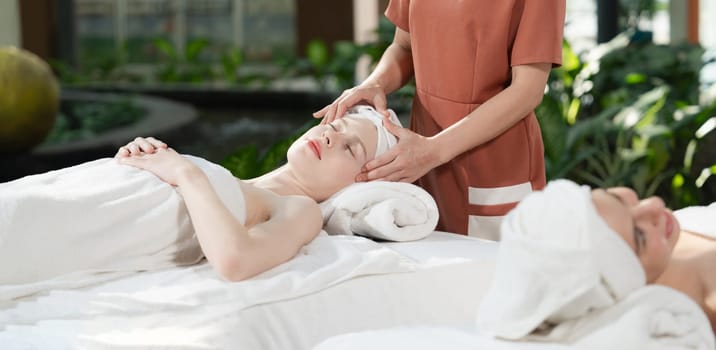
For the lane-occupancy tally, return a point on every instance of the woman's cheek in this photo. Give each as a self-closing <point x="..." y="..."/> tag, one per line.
<point x="347" y="172"/>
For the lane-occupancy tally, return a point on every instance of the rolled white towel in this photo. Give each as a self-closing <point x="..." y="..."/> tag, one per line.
<point x="394" y="211"/>
<point x="558" y="260"/>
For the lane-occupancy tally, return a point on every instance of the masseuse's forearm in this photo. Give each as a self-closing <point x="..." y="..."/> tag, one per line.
<point x="221" y="236"/>
<point x="493" y="117"/>
<point x="395" y="67"/>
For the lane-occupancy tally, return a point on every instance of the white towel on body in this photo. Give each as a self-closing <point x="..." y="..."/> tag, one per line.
<point x="698" y="219"/>
<point x="96" y="221"/>
<point x="189" y="307"/>
<point x="394" y="211"/>
<point x="558" y="260"/>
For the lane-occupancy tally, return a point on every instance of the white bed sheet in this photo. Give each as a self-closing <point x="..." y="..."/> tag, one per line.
<point x="452" y="276"/>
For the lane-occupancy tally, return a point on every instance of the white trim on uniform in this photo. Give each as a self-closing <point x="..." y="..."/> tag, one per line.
<point x="485" y="227"/>
<point x="498" y="195"/>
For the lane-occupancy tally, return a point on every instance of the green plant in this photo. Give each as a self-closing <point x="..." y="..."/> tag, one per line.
<point x="184" y="66"/>
<point x="247" y="163"/>
<point x="84" y="120"/>
<point x="629" y="123"/>
<point x="231" y="61"/>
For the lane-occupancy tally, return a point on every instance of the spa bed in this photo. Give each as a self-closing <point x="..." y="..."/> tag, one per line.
<point x="175" y="309"/>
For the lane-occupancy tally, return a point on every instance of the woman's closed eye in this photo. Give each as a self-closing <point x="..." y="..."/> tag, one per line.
<point x="639" y="239"/>
<point x="347" y="145"/>
<point x="350" y="150"/>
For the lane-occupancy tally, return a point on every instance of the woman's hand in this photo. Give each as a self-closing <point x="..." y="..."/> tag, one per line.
<point x="410" y="159"/>
<point x="139" y="146"/>
<point x="165" y="163"/>
<point x="372" y="94"/>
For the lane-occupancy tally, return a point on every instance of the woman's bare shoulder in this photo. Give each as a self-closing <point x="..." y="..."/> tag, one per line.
<point x="303" y="214"/>
<point x="263" y="204"/>
<point x="259" y="203"/>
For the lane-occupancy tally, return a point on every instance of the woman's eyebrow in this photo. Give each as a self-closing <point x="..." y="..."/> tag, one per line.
<point x="637" y="240"/>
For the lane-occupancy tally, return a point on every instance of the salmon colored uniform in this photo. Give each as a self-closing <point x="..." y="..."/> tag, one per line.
<point x="463" y="52"/>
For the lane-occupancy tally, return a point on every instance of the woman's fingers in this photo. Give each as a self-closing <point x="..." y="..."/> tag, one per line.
<point x="132" y="161"/>
<point x="133" y="149"/>
<point x="156" y="143"/>
<point x="144" y="145"/>
<point x="349" y="98"/>
<point x="122" y="152"/>
<point x="141" y="145"/>
<point x="321" y="113"/>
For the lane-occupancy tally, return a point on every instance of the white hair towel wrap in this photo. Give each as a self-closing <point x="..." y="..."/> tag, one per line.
<point x="386" y="140"/>
<point x="558" y="259"/>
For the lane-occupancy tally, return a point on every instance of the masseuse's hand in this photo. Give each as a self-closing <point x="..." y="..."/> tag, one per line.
<point x="165" y="163"/>
<point x="139" y="146"/>
<point x="372" y="94"/>
<point x="411" y="158"/>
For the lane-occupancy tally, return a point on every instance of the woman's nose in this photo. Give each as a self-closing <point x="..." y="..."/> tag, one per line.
<point x="330" y="137"/>
<point x="651" y="209"/>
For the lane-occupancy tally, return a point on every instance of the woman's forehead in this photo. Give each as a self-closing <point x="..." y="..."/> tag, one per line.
<point x="614" y="214"/>
<point x="364" y="127"/>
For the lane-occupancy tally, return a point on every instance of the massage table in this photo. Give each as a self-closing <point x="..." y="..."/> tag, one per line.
<point x="450" y="274"/>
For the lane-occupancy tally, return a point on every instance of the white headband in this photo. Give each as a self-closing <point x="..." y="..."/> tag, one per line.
<point x="386" y="140"/>
<point x="557" y="260"/>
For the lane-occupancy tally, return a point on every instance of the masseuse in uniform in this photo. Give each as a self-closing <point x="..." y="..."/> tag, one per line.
<point x="480" y="69"/>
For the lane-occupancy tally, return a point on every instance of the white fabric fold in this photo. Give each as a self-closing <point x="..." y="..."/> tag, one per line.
<point x="97" y="221"/>
<point x="323" y="262"/>
<point x="187" y="308"/>
<point x="385" y="140"/>
<point x="394" y="211"/>
<point x="427" y="338"/>
<point x="651" y="318"/>
<point x="558" y="260"/>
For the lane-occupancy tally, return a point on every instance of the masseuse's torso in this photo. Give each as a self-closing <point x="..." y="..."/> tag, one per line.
<point x="691" y="271"/>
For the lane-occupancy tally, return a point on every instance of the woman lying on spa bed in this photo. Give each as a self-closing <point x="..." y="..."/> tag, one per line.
<point x="578" y="235"/>
<point x="677" y="258"/>
<point x="114" y="215"/>
<point x="571" y="272"/>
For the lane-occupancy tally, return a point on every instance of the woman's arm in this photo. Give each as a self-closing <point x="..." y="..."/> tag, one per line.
<point x="415" y="154"/>
<point x="395" y="67"/>
<point x="393" y="71"/>
<point x="235" y="251"/>
<point x="496" y="115"/>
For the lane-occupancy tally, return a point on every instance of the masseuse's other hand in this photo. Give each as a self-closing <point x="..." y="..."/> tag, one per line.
<point x="372" y="94"/>
<point x="411" y="158"/>
<point x="165" y="163"/>
<point x="139" y="146"/>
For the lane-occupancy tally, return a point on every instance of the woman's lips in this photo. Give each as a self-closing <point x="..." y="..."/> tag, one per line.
<point x="315" y="147"/>
<point x="669" y="224"/>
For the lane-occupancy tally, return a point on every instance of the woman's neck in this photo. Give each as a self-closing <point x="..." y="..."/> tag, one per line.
<point x="283" y="181"/>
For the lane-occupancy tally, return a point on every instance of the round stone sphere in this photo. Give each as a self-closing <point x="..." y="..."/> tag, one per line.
<point x="29" y="100"/>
